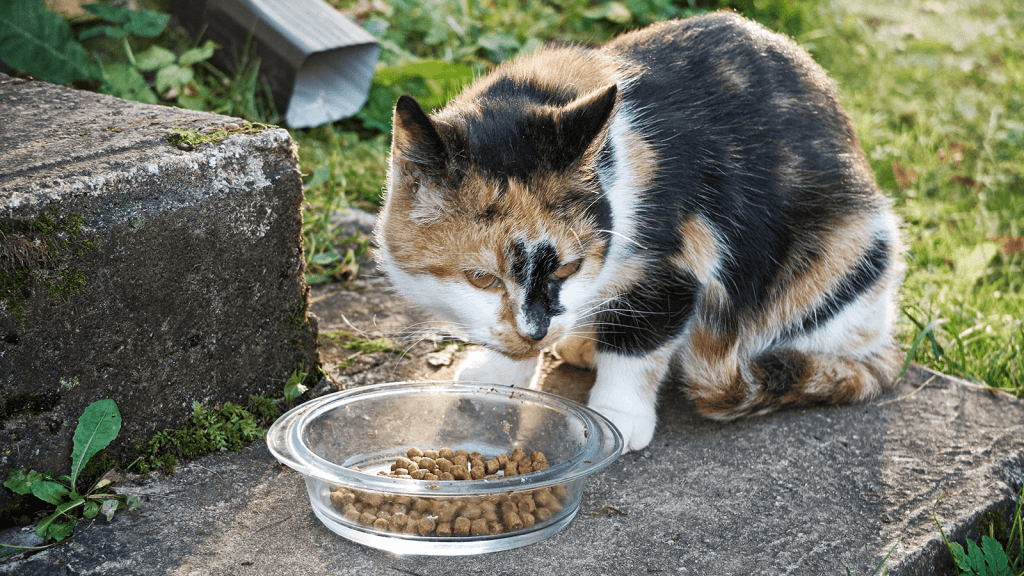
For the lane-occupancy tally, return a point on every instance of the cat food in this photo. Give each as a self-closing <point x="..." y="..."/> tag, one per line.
<point x="453" y="517"/>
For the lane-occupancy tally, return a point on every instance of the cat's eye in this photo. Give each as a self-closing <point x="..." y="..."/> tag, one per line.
<point x="482" y="279"/>
<point x="567" y="270"/>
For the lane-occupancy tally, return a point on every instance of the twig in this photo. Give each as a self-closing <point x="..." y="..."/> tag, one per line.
<point x="926" y="382"/>
<point x="275" y="522"/>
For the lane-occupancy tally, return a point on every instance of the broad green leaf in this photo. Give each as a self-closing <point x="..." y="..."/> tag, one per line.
<point x="146" y="23"/>
<point x="103" y="30"/>
<point x="91" y="509"/>
<point x="199" y="54"/>
<point x="172" y="77"/>
<point x="109" y="12"/>
<point x="43" y="528"/>
<point x="60" y="530"/>
<point x="98" y="426"/>
<point x="972" y="262"/>
<point x="974" y="563"/>
<point x="49" y="491"/>
<point x="39" y="42"/>
<point x="125" y="81"/>
<point x="142" y="23"/>
<point x="995" y="558"/>
<point x="154" y="57"/>
<point x="132" y="502"/>
<point x="18" y="481"/>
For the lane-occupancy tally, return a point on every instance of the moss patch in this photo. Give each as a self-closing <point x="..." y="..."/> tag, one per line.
<point x="36" y="258"/>
<point x="189" y="138"/>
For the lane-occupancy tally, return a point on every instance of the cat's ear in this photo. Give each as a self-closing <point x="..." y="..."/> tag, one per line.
<point x="584" y="118"/>
<point x="416" y="138"/>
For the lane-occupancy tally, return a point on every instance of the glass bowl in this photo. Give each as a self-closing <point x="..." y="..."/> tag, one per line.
<point x="343" y="441"/>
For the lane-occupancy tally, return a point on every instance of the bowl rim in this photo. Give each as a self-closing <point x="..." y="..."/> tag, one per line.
<point x="603" y="445"/>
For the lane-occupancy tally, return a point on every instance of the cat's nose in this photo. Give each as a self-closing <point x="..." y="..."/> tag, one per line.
<point x="536" y="334"/>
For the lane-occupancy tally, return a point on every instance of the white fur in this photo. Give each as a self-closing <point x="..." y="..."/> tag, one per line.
<point x="487" y="366"/>
<point x="626" y="392"/>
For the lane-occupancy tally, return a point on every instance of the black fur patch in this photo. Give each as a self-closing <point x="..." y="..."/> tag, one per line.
<point x="645" y="317"/>
<point x="532" y="269"/>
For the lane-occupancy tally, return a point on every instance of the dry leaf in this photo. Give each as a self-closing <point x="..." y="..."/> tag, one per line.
<point x="904" y="176"/>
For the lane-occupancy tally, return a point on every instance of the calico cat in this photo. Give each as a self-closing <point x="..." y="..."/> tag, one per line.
<point x="688" y="203"/>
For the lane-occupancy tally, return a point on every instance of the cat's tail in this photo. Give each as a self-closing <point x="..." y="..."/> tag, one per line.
<point x="790" y="377"/>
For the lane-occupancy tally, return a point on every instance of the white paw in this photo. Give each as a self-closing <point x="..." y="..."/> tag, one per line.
<point x="636" y="426"/>
<point x="482" y="365"/>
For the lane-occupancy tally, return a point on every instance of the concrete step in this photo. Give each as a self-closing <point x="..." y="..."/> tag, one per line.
<point x="136" y="270"/>
<point x="807" y="491"/>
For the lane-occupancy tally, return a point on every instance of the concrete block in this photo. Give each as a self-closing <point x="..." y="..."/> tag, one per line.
<point x="139" y="271"/>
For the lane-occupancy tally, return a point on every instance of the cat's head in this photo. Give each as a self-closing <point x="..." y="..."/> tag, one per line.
<point x="494" y="219"/>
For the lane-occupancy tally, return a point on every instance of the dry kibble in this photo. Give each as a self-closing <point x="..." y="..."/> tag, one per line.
<point x="425" y="526"/>
<point x="512" y="468"/>
<point x="352" y="515"/>
<point x="444" y="529"/>
<point x="511" y="521"/>
<point x="398" y="521"/>
<point x="340" y="498"/>
<point x="491" y="466"/>
<point x="543" y="497"/>
<point x="528" y="519"/>
<point x="491" y="514"/>
<point x="478" y="527"/>
<point x="461" y="526"/>
<point x="472" y="511"/>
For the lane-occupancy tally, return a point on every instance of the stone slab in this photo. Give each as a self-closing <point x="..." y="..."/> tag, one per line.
<point x="807" y="491"/>
<point x="138" y="271"/>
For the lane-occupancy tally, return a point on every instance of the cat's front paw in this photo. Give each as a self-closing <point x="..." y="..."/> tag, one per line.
<point x="482" y="365"/>
<point x="636" y="426"/>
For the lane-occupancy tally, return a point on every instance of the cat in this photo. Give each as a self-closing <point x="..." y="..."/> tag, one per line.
<point x="687" y="203"/>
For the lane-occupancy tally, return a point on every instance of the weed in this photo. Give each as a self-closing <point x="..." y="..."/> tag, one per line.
<point x="221" y="428"/>
<point x="97" y="427"/>
<point x="293" y="387"/>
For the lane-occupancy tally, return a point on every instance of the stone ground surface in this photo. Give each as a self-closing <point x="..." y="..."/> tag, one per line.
<point x="807" y="491"/>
